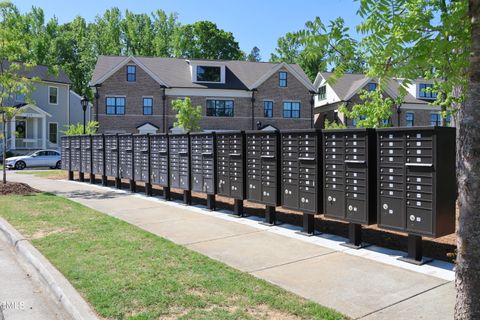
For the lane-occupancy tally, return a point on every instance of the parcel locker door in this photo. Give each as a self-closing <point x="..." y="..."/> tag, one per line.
<point x="356" y="210"/>
<point x="254" y="190"/>
<point x="334" y="203"/>
<point x="308" y="202"/>
<point x="392" y="212"/>
<point x="419" y="221"/>
<point x="290" y="195"/>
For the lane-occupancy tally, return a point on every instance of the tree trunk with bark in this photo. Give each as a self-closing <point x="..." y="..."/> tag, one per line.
<point x="467" y="280"/>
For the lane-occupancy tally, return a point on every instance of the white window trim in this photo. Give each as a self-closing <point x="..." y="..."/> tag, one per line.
<point x="58" y="93"/>
<point x="48" y="135"/>
<point x="420" y="91"/>
<point x="194" y="72"/>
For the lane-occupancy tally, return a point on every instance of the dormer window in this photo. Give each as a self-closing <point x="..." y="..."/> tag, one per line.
<point x="372" y="86"/>
<point x="322" y="93"/>
<point x="131" y="73"/>
<point x="209" y="74"/>
<point x="424" y="91"/>
<point x="282" y="79"/>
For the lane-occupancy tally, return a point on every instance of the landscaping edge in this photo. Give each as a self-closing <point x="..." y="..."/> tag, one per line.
<point x="64" y="294"/>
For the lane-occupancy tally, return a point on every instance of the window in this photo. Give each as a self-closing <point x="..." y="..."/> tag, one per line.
<point x="115" y="105"/>
<point x="372" y="86"/>
<point x="409" y="117"/>
<point x="268" y="109"/>
<point x="147" y="106"/>
<point x="131" y="73"/>
<point x="424" y="94"/>
<point x="53" y="132"/>
<point x="220" y="108"/>
<point x="209" y="74"/>
<point x="282" y="79"/>
<point x="291" y="109"/>
<point x="322" y="93"/>
<point x="354" y="121"/>
<point x="53" y="95"/>
<point x="436" y="120"/>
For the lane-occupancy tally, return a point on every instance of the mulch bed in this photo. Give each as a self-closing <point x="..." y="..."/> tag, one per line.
<point x="16" y="188"/>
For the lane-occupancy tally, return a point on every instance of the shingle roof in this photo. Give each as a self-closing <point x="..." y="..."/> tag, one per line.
<point x="176" y="72"/>
<point x="42" y="72"/>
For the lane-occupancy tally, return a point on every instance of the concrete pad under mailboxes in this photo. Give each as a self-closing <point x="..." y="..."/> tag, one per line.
<point x="366" y="286"/>
<point x="436" y="304"/>
<point x="188" y="231"/>
<point x="258" y="250"/>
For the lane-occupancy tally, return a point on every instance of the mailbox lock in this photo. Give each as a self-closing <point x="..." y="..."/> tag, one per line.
<point x="350" y="208"/>
<point x="329" y="198"/>
<point x="412" y="217"/>
<point x="385" y="206"/>
<point x="408" y="202"/>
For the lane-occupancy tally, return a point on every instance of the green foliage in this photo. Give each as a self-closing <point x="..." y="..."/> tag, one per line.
<point x="188" y="117"/>
<point x="333" y="125"/>
<point x="203" y="40"/>
<point x="77" y="128"/>
<point x="254" y="55"/>
<point x="372" y="112"/>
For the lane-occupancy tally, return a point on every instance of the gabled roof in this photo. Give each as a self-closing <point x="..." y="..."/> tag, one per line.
<point x="175" y="73"/>
<point x="147" y="124"/>
<point x="41" y="72"/>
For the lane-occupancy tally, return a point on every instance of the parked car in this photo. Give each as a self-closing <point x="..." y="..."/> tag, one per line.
<point x="40" y="158"/>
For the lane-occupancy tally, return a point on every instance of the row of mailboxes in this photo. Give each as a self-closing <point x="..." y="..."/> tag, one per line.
<point x="98" y="148"/>
<point x="400" y="177"/>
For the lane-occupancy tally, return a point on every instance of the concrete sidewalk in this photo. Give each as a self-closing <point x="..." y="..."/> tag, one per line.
<point x="363" y="284"/>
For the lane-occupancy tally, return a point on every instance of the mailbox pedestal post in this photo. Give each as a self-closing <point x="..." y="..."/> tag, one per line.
<point x="211" y="205"/>
<point x="187" y="197"/>
<point x="104" y="181"/>
<point x="92" y="178"/>
<point x="354" y="237"/>
<point x="238" y="207"/>
<point x="133" y="186"/>
<point x="308" y="224"/>
<point x="70" y="175"/>
<point x="118" y="183"/>
<point x="270" y="216"/>
<point x="415" y="251"/>
<point x="148" y="189"/>
<point x="166" y="193"/>
<point x="81" y="177"/>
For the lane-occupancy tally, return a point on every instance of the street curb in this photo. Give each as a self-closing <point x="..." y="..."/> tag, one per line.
<point x="65" y="295"/>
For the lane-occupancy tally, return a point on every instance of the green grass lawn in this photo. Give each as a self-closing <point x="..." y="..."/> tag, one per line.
<point x="127" y="273"/>
<point x="49" y="174"/>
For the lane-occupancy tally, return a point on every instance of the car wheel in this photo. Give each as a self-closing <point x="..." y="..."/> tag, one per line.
<point x="20" y="165"/>
<point x="59" y="165"/>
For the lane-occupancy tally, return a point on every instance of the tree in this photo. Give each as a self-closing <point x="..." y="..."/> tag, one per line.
<point x="164" y="29"/>
<point x="107" y="33"/>
<point x="203" y="40"/>
<point x="188" y="117"/>
<point x="439" y="40"/>
<point x="77" y="128"/>
<point x="254" y="55"/>
<point x="137" y="30"/>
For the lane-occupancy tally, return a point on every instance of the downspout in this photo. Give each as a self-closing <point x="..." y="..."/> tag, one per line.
<point x="164" y="99"/>
<point x="253" y="108"/>
<point x="97" y="96"/>
<point x="312" y="102"/>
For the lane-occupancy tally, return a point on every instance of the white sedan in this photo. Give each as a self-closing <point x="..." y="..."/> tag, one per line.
<point x="41" y="158"/>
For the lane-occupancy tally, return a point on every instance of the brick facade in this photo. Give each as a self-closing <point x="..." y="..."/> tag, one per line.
<point x="146" y="86"/>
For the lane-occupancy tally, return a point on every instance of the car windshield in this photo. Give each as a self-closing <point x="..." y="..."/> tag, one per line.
<point x="32" y="153"/>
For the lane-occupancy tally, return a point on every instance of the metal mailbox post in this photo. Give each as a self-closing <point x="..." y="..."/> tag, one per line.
<point x="179" y="167"/>
<point x="141" y="160"/>
<point x="65" y="149"/>
<point x="112" y="158"/>
<point x="302" y="174"/>
<point x="204" y="168"/>
<point x="231" y="162"/>
<point x="75" y="153"/>
<point x="98" y="157"/>
<point x="159" y="160"/>
<point x="263" y="171"/>
<point x="417" y="184"/>
<point x="125" y="155"/>
<point x="350" y="179"/>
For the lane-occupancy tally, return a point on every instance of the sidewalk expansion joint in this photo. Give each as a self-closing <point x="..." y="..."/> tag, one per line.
<point x="403" y="300"/>
<point x="295" y="261"/>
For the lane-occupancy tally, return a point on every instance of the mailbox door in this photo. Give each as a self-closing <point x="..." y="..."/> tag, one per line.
<point x="334" y="174"/>
<point x="111" y="155"/>
<point x="65" y="149"/>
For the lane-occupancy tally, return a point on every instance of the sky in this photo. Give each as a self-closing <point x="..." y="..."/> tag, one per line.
<point x="252" y="22"/>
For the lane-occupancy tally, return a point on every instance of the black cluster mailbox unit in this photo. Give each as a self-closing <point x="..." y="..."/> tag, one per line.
<point x="417" y="183"/>
<point x="141" y="160"/>
<point x="65" y="150"/>
<point x="263" y="170"/>
<point x="112" y="158"/>
<point x="179" y="166"/>
<point x="350" y="178"/>
<point x="98" y="156"/>
<point x="231" y="157"/>
<point x="301" y="174"/>
<point x="204" y="169"/>
<point x="159" y="173"/>
<point x="125" y="161"/>
<point x="75" y="153"/>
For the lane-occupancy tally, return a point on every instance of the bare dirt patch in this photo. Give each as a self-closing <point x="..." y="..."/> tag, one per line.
<point x="16" y="188"/>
